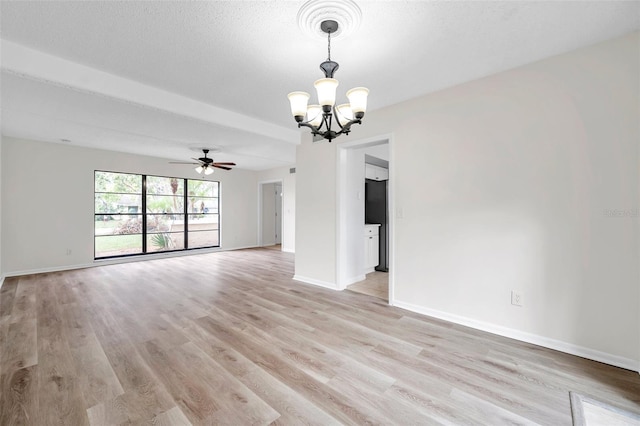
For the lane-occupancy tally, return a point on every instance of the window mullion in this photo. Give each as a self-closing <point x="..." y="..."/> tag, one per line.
<point x="186" y="213"/>
<point x="144" y="213"/>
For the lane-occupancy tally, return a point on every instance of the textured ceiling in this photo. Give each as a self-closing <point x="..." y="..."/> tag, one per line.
<point x="241" y="58"/>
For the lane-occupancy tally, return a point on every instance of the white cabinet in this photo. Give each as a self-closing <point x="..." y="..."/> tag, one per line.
<point x="374" y="172"/>
<point x="371" y="247"/>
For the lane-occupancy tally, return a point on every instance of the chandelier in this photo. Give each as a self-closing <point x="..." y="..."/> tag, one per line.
<point x="321" y="117"/>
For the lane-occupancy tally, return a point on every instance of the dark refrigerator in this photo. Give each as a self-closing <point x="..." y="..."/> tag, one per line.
<point x="375" y="211"/>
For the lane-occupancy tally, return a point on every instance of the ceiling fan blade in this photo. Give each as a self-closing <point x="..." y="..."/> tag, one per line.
<point x="181" y="162"/>
<point x="220" y="167"/>
<point x="226" y="164"/>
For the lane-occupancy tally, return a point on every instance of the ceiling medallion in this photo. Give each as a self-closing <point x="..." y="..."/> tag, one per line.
<point x="314" y="12"/>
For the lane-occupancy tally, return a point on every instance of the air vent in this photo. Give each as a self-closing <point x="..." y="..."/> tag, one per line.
<point x="292" y="170"/>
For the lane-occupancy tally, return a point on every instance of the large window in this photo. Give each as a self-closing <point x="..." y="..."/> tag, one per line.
<point x="118" y="214"/>
<point x="202" y="228"/>
<point x="138" y="214"/>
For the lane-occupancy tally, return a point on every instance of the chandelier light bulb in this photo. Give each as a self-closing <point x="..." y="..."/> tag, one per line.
<point x="358" y="99"/>
<point x="345" y="114"/>
<point x="326" y="88"/>
<point x="299" y="102"/>
<point x="314" y="115"/>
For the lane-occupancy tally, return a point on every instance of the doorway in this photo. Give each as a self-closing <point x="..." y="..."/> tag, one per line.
<point x="354" y="265"/>
<point x="270" y="214"/>
<point x="278" y="217"/>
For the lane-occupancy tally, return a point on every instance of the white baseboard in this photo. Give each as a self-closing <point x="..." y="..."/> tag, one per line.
<point x="118" y="260"/>
<point x="355" y="279"/>
<point x="347" y="282"/>
<point x="325" y="284"/>
<point x="225" y="249"/>
<point x="287" y="250"/>
<point x="535" y="339"/>
<point x="51" y="269"/>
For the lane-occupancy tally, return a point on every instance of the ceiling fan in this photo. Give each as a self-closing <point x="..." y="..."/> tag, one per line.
<point x="206" y="164"/>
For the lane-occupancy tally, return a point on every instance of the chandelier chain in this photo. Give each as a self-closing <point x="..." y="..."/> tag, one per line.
<point x="328" y="45"/>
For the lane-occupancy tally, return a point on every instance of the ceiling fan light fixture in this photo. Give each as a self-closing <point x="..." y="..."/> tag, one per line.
<point x="199" y="169"/>
<point x="208" y="170"/>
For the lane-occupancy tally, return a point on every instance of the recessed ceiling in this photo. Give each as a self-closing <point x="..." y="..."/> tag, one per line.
<point x="159" y="78"/>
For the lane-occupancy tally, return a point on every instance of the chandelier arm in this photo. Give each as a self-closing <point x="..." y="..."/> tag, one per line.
<point x="326" y="123"/>
<point x="335" y="113"/>
<point x="347" y="127"/>
<point x="313" y="128"/>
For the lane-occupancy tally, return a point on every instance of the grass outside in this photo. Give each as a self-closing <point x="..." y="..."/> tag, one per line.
<point x="113" y="245"/>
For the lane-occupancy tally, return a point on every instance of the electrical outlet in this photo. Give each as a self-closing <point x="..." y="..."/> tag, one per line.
<point x="516" y="298"/>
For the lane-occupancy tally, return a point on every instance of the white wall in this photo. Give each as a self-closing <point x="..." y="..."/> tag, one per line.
<point x="1" y="264"/>
<point x="316" y="212"/>
<point x="48" y="202"/>
<point x="352" y="202"/>
<point x="504" y="184"/>
<point x="288" y="203"/>
<point x="379" y="151"/>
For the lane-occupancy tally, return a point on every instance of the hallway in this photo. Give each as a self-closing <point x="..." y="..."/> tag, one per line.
<point x="376" y="284"/>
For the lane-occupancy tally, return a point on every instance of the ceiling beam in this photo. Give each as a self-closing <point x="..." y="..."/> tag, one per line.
<point x="29" y="63"/>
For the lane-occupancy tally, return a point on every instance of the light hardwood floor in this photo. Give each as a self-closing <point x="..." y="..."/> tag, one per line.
<point x="229" y="338"/>
<point x="375" y="284"/>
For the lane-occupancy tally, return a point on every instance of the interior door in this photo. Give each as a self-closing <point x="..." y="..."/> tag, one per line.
<point x="278" y="217"/>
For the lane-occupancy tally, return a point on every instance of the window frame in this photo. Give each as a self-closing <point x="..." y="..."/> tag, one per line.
<point x="145" y="215"/>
